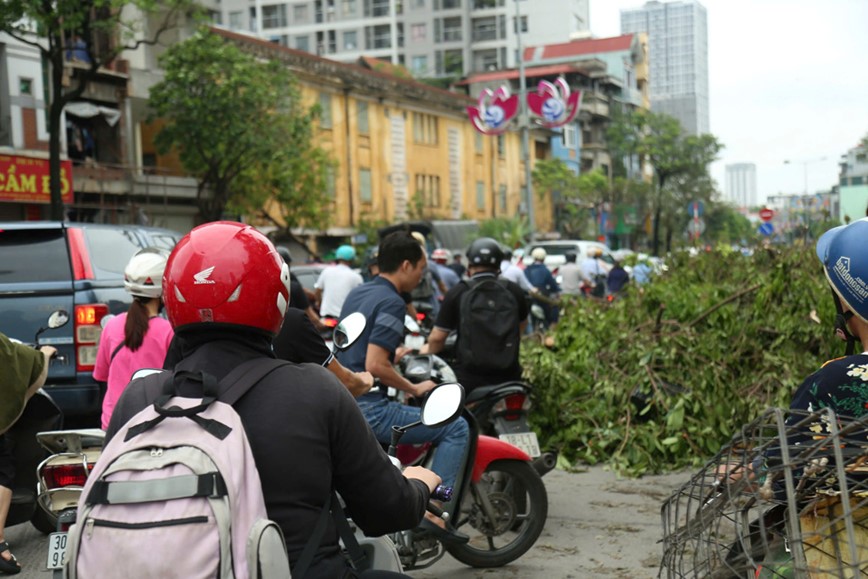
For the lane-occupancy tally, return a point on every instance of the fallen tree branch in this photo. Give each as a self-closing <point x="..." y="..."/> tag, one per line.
<point x="719" y="305"/>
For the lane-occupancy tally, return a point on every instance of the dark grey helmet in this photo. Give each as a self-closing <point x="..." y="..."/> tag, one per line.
<point x="485" y="251"/>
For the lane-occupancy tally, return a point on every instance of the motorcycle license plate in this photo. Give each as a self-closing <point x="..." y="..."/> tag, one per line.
<point x="56" y="550"/>
<point x="414" y="342"/>
<point x="524" y="440"/>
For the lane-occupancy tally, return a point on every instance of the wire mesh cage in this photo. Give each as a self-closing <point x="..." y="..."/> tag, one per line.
<point x="787" y="497"/>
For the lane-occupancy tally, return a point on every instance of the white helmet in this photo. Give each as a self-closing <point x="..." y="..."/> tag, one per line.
<point x="143" y="275"/>
<point x="538" y="253"/>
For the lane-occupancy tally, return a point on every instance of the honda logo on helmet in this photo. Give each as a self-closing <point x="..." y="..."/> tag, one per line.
<point x="202" y="276"/>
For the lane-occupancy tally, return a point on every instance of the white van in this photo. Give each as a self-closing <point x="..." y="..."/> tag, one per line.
<point x="556" y="251"/>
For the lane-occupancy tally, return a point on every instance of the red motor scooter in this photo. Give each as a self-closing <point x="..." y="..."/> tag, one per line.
<point x="499" y="501"/>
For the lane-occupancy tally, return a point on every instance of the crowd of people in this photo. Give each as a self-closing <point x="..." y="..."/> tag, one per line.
<point x="247" y="307"/>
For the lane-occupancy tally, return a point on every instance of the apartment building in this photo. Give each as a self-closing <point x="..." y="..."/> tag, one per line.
<point x="678" y="55"/>
<point x="432" y="38"/>
<point x="740" y="184"/>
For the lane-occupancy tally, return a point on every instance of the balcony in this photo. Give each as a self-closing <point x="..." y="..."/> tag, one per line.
<point x="452" y="35"/>
<point x="595" y="105"/>
<point x="483" y="34"/>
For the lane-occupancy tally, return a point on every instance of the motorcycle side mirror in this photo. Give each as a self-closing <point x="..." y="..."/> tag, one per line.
<point x="141" y="373"/>
<point x="443" y="405"/>
<point x="105" y="320"/>
<point x="58" y="319"/>
<point x="411" y="325"/>
<point x="349" y="330"/>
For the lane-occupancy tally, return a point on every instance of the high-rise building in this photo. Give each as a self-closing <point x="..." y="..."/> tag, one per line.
<point x="432" y="38"/>
<point x="740" y="184"/>
<point x="678" y="57"/>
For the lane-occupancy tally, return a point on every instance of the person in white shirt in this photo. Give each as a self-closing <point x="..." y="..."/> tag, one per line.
<point x="335" y="282"/>
<point x="513" y="273"/>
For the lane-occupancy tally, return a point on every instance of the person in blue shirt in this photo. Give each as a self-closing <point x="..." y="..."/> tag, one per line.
<point x="542" y="279"/>
<point x="617" y="278"/>
<point x="401" y="262"/>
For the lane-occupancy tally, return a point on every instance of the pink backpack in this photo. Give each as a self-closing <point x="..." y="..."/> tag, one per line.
<point x="176" y="493"/>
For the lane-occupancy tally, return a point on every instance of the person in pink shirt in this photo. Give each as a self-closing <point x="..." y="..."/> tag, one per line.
<point x="138" y="338"/>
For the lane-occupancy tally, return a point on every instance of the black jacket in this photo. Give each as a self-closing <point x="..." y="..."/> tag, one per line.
<point x="307" y="436"/>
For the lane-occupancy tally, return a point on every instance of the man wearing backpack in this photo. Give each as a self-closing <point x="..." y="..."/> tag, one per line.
<point x="227" y="292"/>
<point x="489" y="314"/>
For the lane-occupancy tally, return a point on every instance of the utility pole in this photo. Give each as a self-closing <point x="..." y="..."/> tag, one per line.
<point x="525" y="125"/>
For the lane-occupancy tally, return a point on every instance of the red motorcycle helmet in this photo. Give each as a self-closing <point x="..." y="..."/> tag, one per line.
<point x="226" y="272"/>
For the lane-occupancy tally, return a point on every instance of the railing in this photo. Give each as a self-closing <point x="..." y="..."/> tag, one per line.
<point x="481" y="35"/>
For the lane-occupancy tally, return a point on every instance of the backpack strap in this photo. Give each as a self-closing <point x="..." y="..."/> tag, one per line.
<point x="357" y="556"/>
<point x="115" y="352"/>
<point x="244" y="377"/>
<point x="306" y="558"/>
<point x="229" y="390"/>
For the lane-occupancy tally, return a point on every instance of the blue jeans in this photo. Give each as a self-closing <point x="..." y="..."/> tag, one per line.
<point x="451" y="440"/>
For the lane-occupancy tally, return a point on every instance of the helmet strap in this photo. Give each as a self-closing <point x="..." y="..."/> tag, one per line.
<point x="841" y="329"/>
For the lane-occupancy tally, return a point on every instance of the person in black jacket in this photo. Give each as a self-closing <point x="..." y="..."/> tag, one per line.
<point x="226" y="296"/>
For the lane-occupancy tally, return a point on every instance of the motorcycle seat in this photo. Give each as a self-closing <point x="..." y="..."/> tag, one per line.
<point x="482" y="392"/>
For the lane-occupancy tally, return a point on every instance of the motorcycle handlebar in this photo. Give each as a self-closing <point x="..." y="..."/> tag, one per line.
<point x="442" y="493"/>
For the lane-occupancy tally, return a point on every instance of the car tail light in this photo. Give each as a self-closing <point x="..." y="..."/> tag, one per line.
<point x="420" y="317"/>
<point x="512" y="407"/>
<point x="330" y="322"/>
<point x="87" y="332"/>
<point x="555" y="271"/>
<point x="66" y="475"/>
<point x="81" y="268"/>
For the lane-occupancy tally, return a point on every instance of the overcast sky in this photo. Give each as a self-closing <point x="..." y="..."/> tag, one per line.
<point x="788" y="80"/>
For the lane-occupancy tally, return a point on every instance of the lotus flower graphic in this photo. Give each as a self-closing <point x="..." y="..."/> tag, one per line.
<point x="495" y="110"/>
<point x="554" y="103"/>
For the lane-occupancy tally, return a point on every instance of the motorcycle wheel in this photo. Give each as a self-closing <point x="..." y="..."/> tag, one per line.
<point x="43" y="522"/>
<point x="515" y="529"/>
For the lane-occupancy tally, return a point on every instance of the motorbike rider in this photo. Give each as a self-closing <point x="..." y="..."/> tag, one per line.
<point x="513" y="273"/>
<point x="539" y="275"/>
<point x="571" y="275"/>
<point x="227" y="291"/>
<point x="594" y="270"/>
<point x="841" y="384"/>
<point x="335" y="282"/>
<point x="24" y="372"/>
<point x="440" y="257"/>
<point x="401" y="262"/>
<point x="484" y="256"/>
<point x="138" y="338"/>
<point x="297" y="296"/>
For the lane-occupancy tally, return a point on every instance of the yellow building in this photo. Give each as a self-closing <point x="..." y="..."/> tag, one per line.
<point x="404" y="149"/>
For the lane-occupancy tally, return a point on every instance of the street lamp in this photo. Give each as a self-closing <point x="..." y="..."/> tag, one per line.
<point x="525" y="122"/>
<point x="805" y="167"/>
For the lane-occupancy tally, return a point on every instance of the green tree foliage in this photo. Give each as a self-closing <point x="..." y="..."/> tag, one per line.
<point x="510" y="231"/>
<point x="101" y="29"/>
<point x="734" y="332"/>
<point x="726" y="225"/>
<point x="680" y="163"/>
<point x="240" y="127"/>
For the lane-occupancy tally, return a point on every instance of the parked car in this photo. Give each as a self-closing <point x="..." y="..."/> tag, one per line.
<point x="77" y="267"/>
<point x="556" y="251"/>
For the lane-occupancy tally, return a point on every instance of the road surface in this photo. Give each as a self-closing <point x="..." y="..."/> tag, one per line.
<point x="598" y="526"/>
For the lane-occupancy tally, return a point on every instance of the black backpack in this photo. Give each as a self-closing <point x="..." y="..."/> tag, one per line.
<point x="488" y="330"/>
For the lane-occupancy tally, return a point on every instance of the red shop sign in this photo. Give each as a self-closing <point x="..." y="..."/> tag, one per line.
<point x="26" y="180"/>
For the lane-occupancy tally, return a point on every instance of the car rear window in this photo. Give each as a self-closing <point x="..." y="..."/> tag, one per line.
<point x="33" y="255"/>
<point x="111" y="249"/>
<point x="559" y="249"/>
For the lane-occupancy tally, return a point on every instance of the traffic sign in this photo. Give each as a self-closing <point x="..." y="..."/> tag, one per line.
<point x="767" y="228"/>
<point x="766" y="214"/>
<point x="696" y="227"/>
<point x="695" y="208"/>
